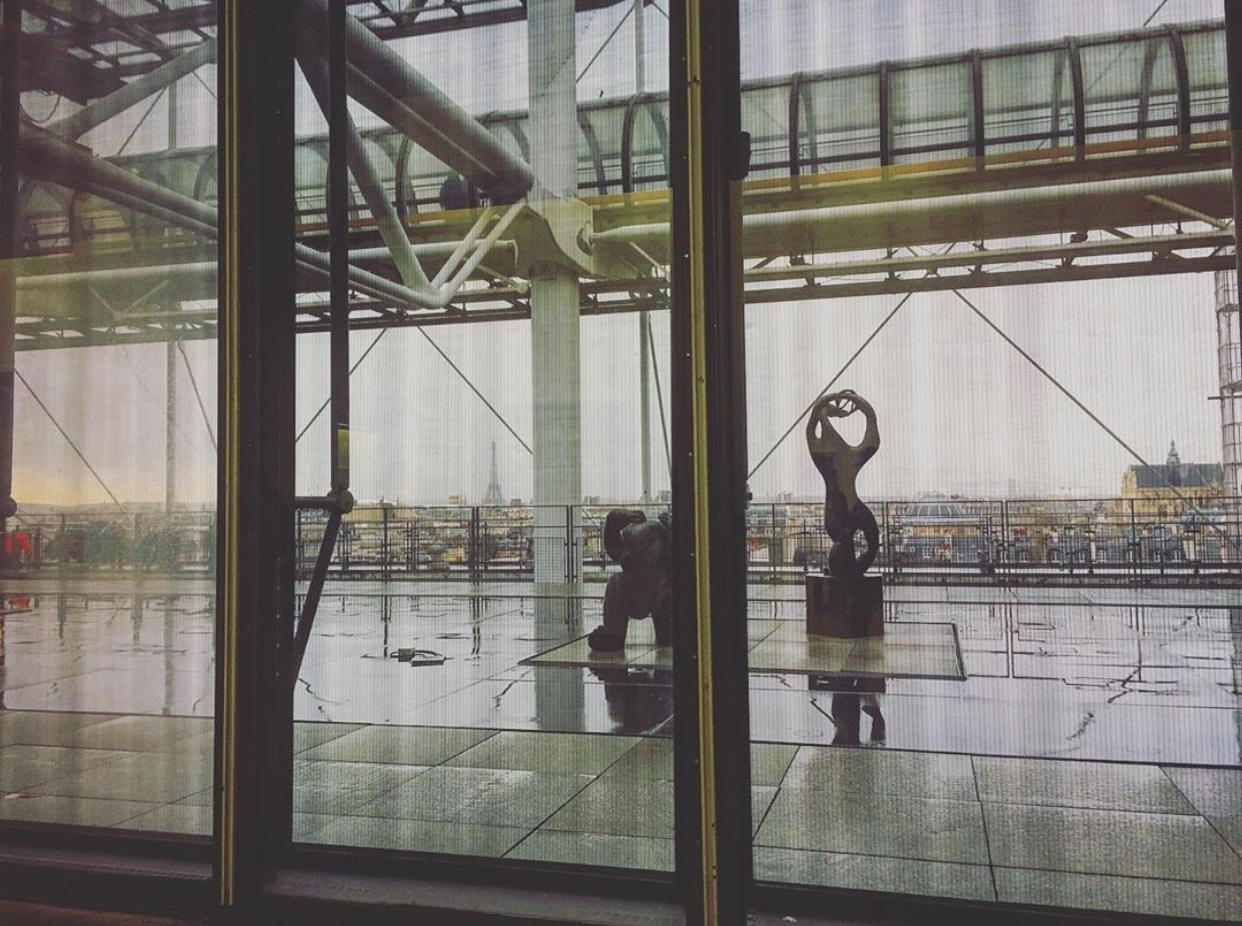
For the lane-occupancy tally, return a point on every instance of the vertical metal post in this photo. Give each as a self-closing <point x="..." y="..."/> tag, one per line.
<point x="1229" y="373"/>
<point x="10" y="119"/>
<point x="640" y="48"/>
<point x="644" y="401"/>
<point x="1006" y="546"/>
<point x="644" y="318"/>
<point x="472" y="543"/>
<point x="977" y="128"/>
<point x="170" y="359"/>
<point x="1233" y="55"/>
<point x="712" y="746"/>
<point x="338" y="173"/>
<point x="571" y="541"/>
<point x="255" y="584"/>
<point x="170" y="426"/>
<point x="1080" y="99"/>
<point x="1184" y="125"/>
<point x="385" y="554"/>
<point x="886" y="540"/>
<point x="886" y="115"/>
<point x="795" y="128"/>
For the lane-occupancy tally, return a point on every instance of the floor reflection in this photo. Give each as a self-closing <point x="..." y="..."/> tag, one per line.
<point x="1052" y="673"/>
<point x="640" y="701"/>
<point x="851" y="699"/>
<point x="1091" y="721"/>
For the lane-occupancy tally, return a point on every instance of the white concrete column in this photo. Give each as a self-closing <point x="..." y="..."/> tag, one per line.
<point x="555" y="350"/>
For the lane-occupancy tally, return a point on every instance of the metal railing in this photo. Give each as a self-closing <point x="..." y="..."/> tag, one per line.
<point x="939" y="539"/>
<point x="143" y="541"/>
<point x="1117" y="537"/>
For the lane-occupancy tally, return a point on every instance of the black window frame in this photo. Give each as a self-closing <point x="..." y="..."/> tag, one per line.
<point x="250" y="865"/>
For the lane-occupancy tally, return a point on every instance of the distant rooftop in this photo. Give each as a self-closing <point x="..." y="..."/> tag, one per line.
<point x="1173" y="472"/>
<point x="935" y="507"/>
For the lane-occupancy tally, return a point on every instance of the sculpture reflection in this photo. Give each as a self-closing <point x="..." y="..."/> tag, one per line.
<point x="853" y="697"/>
<point x="640" y="701"/>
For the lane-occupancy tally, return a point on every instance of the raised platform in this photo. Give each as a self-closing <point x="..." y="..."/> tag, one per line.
<point x="908" y="649"/>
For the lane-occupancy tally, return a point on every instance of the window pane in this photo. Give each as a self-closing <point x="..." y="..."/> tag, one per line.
<point x="508" y="450"/>
<point x="994" y="649"/>
<point x="108" y="296"/>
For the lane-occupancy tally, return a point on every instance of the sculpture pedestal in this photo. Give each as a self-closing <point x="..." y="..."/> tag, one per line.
<point x="845" y="607"/>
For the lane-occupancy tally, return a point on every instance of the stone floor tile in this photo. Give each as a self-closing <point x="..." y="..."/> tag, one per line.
<point x="488" y="797"/>
<point x="936" y="776"/>
<point x="570" y="848"/>
<point x="1098" y="785"/>
<point x="875" y="824"/>
<point x="399" y="745"/>
<point x="619" y="807"/>
<point x="173" y="818"/>
<point x="419" y="836"/>
<point x="138" y="776"/>
<point x="76" y="811"/>
<point x="1117" y="894"/>
<point x="1215" y="792"/>
<point x="1110" y="842"/>
<point x="556" y="753"/>
<point x="874" y="873"/>
<point x="45" y="728"/>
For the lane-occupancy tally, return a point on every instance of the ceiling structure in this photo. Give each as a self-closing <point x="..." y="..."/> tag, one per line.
<point x="1093" y="157"/>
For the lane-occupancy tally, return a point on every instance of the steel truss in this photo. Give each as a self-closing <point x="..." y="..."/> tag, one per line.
<point x="891" y="216"/>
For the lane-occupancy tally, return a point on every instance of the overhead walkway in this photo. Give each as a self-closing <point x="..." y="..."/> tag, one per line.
<point x="1095" y="156"/>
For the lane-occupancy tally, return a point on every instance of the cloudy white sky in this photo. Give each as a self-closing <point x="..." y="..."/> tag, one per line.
<point x="959" y="411"/>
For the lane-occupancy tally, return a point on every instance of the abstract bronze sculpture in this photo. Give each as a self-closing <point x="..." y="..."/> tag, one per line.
<point x="839" y="462"/>
<point x="642" y="588"/>
<point x="846" y="602"/>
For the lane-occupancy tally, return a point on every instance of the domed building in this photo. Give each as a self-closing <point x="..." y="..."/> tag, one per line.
<point x="940" y="528"/>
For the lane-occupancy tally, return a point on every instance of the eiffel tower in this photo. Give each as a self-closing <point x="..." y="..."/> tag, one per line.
<point x="494" y="496"/>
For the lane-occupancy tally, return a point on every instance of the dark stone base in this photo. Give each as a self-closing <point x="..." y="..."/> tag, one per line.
<point x="845" y="608"/>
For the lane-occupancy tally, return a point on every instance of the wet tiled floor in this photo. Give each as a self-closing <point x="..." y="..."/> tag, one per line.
<point x="1024" y="830"/>
<point x="1090" y="757"/>
<point x="908" y="649"/>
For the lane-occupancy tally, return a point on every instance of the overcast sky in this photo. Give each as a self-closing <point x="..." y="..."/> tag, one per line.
<point x="958" y="410"/>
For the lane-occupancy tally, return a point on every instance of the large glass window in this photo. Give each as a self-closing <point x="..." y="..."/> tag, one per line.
<point x="489" y="671"/>
<point x="107" y="414"/>
<point x="993" y="369"/>
<point x="992" y="363"/>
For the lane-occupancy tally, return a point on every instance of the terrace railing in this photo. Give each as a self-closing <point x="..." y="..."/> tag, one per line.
<point x="948" y="540"/>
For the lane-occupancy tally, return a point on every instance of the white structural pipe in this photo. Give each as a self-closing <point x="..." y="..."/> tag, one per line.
<point x="484" y="248"/>
<point x="74" y="126"/>
<point x="431" y="250"/>
<point x="203" y="272"/>
<point x="50" y="158"/>
<point x="448" y="131"/>
<point x="935" y="262"/>
<point x="368" y="179"/>
<point x="790" y="223"/>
